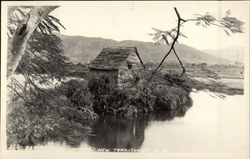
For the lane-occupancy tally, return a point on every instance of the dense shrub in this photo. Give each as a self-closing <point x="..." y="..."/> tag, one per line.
<point x="106" y="97"/>
<point x="65" y="112"/>
<point x="159" y="93"/>
<point x="80" y="98"/>
<point x="60" y="114"/>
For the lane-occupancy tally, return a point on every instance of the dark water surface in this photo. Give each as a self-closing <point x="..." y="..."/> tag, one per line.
<point x="114" y="133"/>
<point x="212" y="126"/>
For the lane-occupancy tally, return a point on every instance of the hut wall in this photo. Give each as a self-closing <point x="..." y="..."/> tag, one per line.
<point x="112" y="75"/>
<point x="127" y="76"/>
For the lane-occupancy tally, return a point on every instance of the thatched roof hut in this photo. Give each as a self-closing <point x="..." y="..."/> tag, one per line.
<point x="111" y="58"/>
<point x="117" y="63"/>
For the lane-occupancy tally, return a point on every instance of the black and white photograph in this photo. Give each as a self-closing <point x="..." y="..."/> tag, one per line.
<point x="125" y="79"/>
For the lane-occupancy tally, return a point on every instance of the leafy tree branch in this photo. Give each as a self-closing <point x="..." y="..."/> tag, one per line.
<point x="22" y="34"/>
<point x="228" y="23"/>
<point x="43" y="59"/>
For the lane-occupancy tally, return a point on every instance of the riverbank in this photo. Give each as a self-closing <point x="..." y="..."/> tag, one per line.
<point x="203" y="120"/>
<point x="66" y="111"/>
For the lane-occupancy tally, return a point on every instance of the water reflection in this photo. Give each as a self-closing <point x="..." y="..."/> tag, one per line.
<point x="211" y="127"/>
<point x="170" y="114"/>
<point x="113" y="132"/>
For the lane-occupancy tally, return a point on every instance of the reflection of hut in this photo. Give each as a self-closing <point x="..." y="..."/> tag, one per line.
<point x="119" y="64"/>
<point x="111" y="133"/>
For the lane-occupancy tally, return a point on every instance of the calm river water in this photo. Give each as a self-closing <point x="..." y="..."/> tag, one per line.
<point x="211" y="126"/>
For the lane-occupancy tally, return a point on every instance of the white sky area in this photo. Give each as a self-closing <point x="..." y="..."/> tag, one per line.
<point x="134" y="20"/>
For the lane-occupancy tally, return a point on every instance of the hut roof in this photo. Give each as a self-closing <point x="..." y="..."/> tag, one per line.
<point x="111" y="58"/>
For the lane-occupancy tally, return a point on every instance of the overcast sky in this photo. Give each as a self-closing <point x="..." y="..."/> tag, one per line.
<point x="134" y="20"/>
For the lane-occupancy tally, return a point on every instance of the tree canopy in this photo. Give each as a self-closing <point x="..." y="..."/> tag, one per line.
<point x="44" y="49"/>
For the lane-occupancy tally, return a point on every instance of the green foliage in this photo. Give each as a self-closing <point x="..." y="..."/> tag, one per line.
<point x="106" y="98"/>
<point x="142" y="97"/>
<point x="44" y="50"/>
<point x="171" y="92"/>
<point x="35" y="114"/>
<point x="62" y="114"/>
<point x="44" y="56"/>
<point x="164" y="92"/>
<point x="145" y="96"/>
<point x="48" y="24"/>
<point x="227" y="23"/>
<point x="79" y="96"/>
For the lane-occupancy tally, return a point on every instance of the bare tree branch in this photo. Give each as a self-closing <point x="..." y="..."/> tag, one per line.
<point x="183" y="68"/>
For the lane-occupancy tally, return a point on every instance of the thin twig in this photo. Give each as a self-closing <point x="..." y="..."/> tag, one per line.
<point x="173" y="43"/>
<point x="183" y="68"/>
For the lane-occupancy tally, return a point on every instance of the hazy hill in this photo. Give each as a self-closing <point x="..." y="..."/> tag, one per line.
<point x="234" y="53"/>
<point x="84" y="49"/>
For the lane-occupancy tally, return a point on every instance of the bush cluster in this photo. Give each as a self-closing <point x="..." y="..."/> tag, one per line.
<point x="64" y="113"/>
<point x="61" y="114"/>
<point x="159" y="93"/>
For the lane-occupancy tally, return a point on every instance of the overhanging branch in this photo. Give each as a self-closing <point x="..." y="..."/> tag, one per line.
<point x="23" y="33"/>
<point x="180" y="22"/>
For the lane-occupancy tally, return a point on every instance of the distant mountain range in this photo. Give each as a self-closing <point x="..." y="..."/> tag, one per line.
<point x="234" y="53"/>
<point x="82" y="49"/>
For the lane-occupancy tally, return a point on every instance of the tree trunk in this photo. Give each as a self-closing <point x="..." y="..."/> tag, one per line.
<point x="22" y="34"/>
